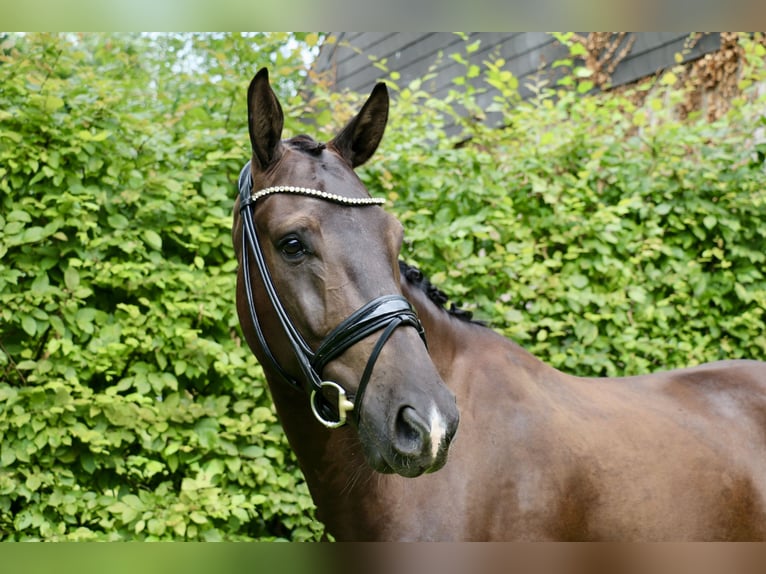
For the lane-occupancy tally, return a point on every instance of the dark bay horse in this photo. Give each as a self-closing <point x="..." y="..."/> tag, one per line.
<point x="368" y="371"/>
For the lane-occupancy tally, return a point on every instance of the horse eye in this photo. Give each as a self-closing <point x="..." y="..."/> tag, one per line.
<point x="292" y="248"/>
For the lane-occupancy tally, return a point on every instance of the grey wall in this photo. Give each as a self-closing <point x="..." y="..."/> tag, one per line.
<point x="412" y="54"/>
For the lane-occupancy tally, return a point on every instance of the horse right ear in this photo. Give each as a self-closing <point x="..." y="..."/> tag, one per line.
<point x="265" y="120"/>
<point x="360" y="138"/>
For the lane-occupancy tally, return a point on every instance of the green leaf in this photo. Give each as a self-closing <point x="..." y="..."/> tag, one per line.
<point x="88" y="462"/>
<point x="153" y="239"/>
<point x="155" y="526"/>
<point x="53" y="103"/>
<point x="198" y="517"/>
<point x="578" y="281"/>
<point x="33" y="234"/>
<point x="84" y="319"/>
<point x="13" y="227"/>
<point x="118" y="221"/>
<point x="7" y="455"/>
<point x="637" y="294"/>
<point x="669" y="79"/>
<point x="133" y="501"/>
<point x="71" y="278"/>
<point x="586" y="331"/>
<point x="19" y="215"/>
<point x="57" y="324"/>
<point x="11" y="136"/>
<point x="101" y="136"/>
<point x="179" y="367"/>
<point x="577" y="49"/>
<point x="33" y="482"/>
<point x="29" y="325"/>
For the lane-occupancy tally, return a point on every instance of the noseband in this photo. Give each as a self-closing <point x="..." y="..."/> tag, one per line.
<point x="385" y="313"/>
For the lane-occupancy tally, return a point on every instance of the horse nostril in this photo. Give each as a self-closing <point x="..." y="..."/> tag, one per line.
<point x="412" y="432"/>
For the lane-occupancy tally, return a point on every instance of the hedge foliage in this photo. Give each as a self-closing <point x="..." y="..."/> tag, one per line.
<point x="129" y="406"/>
<point x="605" y="236"/>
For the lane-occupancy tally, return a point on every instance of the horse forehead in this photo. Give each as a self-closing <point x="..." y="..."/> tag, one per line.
<point x="324" y="170"/>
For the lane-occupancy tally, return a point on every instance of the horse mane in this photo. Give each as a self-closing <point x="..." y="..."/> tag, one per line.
<point x="415" y="277"/>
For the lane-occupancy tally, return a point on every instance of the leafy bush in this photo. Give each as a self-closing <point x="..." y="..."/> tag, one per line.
<point x="129" y="406"/>
<point x="607" y="237"/>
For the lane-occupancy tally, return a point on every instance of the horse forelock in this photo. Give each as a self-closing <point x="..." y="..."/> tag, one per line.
<point x="306" y="144"/>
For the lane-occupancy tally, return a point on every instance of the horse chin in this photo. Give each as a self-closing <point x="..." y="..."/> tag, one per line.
<point x="406" y="467"/>
<point x="403" y="469"/>
<point x="412" y="469"/>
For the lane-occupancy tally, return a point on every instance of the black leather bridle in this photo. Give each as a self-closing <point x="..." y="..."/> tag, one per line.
<point x="384" y="313"/>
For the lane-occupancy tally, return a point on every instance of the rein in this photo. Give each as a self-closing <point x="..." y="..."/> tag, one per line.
<point x="384" y="313"/>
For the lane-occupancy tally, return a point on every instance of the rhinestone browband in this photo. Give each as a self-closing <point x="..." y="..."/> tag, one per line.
<point x="316" y="193"/>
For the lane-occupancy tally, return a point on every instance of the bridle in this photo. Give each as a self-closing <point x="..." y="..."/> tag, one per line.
<point x="384" y="313"/>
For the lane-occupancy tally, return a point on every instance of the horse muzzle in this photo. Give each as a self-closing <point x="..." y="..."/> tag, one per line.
<point x="416" y="441"/>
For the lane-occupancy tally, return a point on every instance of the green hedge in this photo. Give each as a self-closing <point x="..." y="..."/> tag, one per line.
<point x="605" y="237"/>
<point x="129" y="406"/>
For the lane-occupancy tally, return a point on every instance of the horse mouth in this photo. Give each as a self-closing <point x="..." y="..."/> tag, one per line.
<point x="407" y="468"/>
<point x="388" y="461"/>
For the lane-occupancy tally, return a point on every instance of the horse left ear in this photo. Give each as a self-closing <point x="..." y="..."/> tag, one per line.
<point x="265" y="120"/>
<point x="360" y="138"/>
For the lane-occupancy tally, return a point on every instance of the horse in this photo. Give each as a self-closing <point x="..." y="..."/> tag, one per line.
<point x="372" y="378"/>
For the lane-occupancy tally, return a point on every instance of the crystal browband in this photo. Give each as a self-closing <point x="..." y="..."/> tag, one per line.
<point x="316" y="193"/>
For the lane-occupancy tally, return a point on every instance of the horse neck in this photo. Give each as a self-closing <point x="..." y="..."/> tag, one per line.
<point x="447" y="335"/>
<point x="465" y="352"/>
<point x="330" y="459"/>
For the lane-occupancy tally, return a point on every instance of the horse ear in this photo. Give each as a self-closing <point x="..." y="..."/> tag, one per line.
<point x="265" y="120"/>
<point x="360" y="138"/>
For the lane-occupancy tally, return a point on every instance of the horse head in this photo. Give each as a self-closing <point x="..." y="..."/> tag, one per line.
<point x="318" y="291"/>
